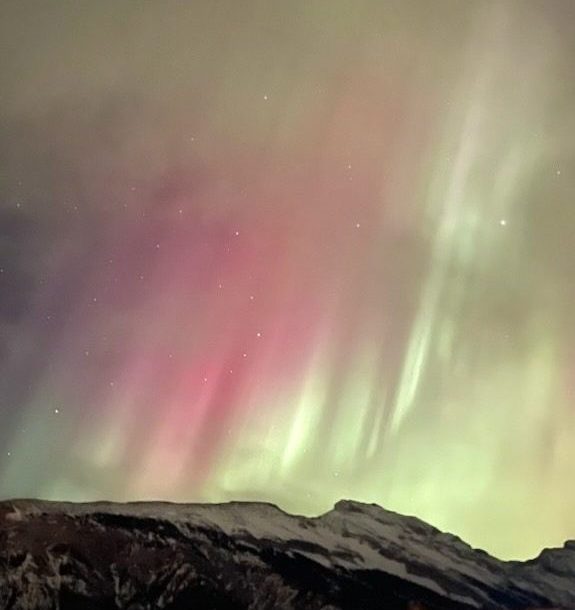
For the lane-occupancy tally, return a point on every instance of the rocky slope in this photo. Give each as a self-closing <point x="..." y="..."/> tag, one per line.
<point x="254" y="556"/>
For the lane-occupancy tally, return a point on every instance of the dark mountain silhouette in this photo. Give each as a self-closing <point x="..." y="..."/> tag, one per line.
<point x="241" y="556"/>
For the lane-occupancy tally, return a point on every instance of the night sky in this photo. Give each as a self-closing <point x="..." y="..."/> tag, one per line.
<point x="292" y="251"/>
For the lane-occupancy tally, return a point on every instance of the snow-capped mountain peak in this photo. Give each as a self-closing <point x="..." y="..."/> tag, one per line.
<point x="254" y="555"/>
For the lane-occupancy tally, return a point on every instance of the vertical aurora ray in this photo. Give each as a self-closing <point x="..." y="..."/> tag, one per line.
<point x="293" y="252"/>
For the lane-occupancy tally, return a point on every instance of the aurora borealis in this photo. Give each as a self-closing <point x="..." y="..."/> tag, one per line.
<point x="292" y="252"/>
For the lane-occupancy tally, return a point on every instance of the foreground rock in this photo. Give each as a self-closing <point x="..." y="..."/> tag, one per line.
<point x="254" y="556"/>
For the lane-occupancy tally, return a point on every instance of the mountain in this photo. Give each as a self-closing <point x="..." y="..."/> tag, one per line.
<point x="239" y="556"/>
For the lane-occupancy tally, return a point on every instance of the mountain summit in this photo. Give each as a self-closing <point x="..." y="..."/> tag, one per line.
<point x="241" y="555"/>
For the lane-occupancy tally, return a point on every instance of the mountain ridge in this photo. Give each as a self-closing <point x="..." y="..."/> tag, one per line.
<point x="164" y="555"/>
